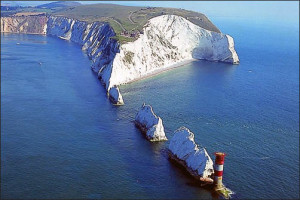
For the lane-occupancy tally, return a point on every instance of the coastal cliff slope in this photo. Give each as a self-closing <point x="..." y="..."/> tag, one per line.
<point x="164" y="41"/>
<point x="167" y="40"/>
<point x="24" y="24"/>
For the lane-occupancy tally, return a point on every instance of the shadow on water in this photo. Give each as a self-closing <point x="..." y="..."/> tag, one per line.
<point x="189" y="180"/>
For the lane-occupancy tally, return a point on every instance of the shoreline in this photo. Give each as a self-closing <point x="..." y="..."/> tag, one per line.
<point x="159" y="71"/>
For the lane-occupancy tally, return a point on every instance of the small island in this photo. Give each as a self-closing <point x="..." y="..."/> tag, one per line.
<point x="115" y="96"/>
<point x="150" y="124"/>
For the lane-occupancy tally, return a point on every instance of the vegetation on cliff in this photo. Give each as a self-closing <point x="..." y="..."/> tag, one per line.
<point x="127" y="21"/>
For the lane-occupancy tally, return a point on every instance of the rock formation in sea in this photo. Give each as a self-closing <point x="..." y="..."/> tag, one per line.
<point x="194" y="159"/>
<point x="115" y="96"/>
<point x="150" y="124"/>
<point x="166" y="40"/>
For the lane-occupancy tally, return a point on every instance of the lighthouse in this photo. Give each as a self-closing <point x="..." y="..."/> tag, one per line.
<point x="219" y="162"/>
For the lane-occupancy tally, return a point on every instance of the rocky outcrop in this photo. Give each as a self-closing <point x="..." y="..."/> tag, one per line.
<point x="186" y="152"/>
<point x="150" y="124"/>
<point x="115" y="96"/>
<point x="24" y="24"/>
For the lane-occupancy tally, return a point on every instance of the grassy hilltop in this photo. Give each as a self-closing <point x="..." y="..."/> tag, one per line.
<point x="127" y="21"/>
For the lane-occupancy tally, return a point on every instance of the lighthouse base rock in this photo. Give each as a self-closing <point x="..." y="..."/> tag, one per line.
<point x="186" y="152"/>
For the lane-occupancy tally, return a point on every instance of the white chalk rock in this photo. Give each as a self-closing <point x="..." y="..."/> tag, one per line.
<point x="150" y="124"/>
<point x="115" y="96"/>
<point x="168" y="40"/>
<point x="196" y="160"/>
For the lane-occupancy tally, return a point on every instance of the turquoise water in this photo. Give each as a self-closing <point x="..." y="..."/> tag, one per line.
<point x="62" y="138"/>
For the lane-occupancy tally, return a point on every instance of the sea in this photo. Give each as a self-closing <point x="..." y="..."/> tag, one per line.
<point x="62" y="138"/>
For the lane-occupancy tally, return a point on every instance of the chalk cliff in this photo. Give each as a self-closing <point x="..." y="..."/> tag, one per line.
<point x="186" y="152"/>
<point x="150" y="124"/>
<point x="24" y="24"/>
<point x="166" y="40"/>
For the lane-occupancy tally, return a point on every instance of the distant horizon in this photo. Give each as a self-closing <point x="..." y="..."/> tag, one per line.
<point x="274" y="10"/>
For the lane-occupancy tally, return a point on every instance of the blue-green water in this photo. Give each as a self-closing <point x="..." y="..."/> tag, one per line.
<point x="62" y="138"/>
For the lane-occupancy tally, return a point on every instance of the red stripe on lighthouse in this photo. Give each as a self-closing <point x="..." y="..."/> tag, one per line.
<point x="219" y="162"/>
<point x="218" y="173"/>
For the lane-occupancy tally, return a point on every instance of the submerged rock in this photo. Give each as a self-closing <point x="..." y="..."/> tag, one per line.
<point x="150" y="124"/>
<point x="186" y="152"/>
<point x="115" y="96"/>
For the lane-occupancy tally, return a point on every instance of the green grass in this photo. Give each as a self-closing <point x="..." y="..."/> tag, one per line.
<point x="123" y="39"/>
<point x="140" y="15"/>
<point x="118" y="16"/>
<point x="12" y="12"/>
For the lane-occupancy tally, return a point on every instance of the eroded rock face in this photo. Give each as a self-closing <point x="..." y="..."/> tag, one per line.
<point x="186" y="152"/>
<point x="168" y="40"/>
<point x="150" y="124"/>
<point x="24" y="24"/>
<point x="115" y="96"/>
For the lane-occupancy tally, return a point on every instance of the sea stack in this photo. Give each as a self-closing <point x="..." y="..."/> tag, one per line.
<point x="150" y="124"/>
<point x="186" y="152"/>
<point x="115" y="96"/>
